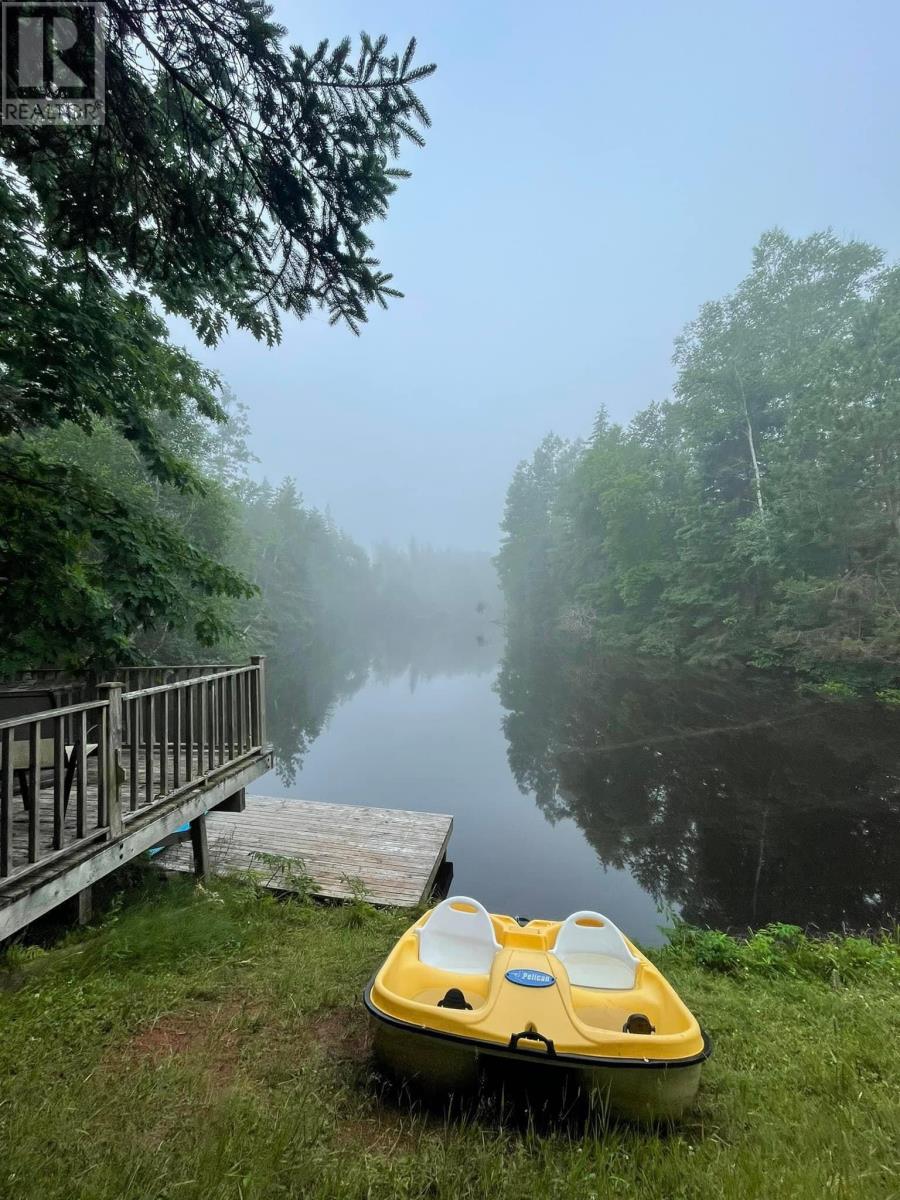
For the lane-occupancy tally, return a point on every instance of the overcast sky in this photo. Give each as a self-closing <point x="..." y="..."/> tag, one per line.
<point x="594" y="173"/>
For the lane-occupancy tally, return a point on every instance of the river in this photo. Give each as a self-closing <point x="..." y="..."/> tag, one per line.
<point x="639" y="791"/>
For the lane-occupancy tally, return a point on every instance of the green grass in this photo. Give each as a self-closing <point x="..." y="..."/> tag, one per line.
<point x="210" y="1043"/>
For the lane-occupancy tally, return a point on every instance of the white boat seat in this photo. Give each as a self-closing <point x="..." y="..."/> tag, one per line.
<point x="594" y="952"/>
<point x="458" y="936"/>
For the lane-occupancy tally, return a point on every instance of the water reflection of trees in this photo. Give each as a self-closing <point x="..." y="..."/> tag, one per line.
<point x="306" y="686"/>
<point x="425" y="652"/>
<point x="334" y="617"/>
<point x="303" y="690"/>
<point x="735" y="800"/>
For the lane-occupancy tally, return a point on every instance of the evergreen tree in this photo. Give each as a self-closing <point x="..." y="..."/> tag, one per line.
<point x="233" y="181"/>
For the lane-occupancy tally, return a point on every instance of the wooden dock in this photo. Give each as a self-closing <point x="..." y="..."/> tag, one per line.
<point x="395" y="855"/>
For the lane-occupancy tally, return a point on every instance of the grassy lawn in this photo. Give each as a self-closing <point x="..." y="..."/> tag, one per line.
<point x="212" y="1044"/>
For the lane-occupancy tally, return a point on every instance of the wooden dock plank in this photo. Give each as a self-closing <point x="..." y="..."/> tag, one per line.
<point x="395" y="853"/>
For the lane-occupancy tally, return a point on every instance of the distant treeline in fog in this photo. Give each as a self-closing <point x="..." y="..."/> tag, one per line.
<point x="325" y="611"/>
<point x="754" y="518"/>
<point x="317" y="594"/>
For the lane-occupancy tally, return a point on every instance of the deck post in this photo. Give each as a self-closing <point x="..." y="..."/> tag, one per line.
<point x="200" y="846"/>
<point x="235" y="803"/>
<point x="85" y="900"/>
<point x="259" y="660"/>
<point x="109" y="763"/>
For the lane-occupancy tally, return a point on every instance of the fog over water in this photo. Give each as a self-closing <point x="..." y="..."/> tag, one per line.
<point x="594" y="173"/>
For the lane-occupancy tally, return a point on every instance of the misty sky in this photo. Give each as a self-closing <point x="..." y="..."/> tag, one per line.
<point x="593" y="174"/>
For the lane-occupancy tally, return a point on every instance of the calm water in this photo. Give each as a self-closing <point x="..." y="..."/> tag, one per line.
<point x="604" y="785"/>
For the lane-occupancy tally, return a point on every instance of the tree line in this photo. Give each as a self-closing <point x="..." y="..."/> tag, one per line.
<point x="754" y="517"/>
<point x="325" y="610"/>
<point x="233" y="181"/>
<point x="307" y="581"/>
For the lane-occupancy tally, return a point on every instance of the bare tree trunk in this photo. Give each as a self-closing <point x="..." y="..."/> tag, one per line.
<point x="753" y="459"/>
<point x="757" y="479"/>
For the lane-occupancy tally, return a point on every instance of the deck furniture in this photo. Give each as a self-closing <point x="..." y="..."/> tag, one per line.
<point x="21" y="757"/>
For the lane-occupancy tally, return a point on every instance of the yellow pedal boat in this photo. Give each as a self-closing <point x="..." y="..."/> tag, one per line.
<point x="464" y="989"/>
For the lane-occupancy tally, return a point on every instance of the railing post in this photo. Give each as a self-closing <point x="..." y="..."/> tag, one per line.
<point x="259" y="660"/>
<point x="112" y="692"/>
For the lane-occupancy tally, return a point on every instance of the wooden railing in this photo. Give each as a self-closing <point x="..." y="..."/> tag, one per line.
<point x="138" y="678"/>
<point x="174" y="734"/>
<point x="57" y="762"/>
<point x="74" y="689"/>
<point x="82" y="771"/>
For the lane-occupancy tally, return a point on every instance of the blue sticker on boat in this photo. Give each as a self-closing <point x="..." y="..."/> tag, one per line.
<point x="527" y="978"/>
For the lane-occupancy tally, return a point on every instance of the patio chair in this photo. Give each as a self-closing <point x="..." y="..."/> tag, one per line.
<point x="22" y="703"/>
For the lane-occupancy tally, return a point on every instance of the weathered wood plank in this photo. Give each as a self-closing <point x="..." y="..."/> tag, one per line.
<point x="211" y="728"/>
<point x="149" y="746"/>
<point x="395" y="853"/>
<point x="189" y="733"/>
<point x="232" y="724"/>
<point x="54" y="828"/>
<point x="201" y="730"/>
<point x="6" y="802"/>
<point x="239" y="712"/>
<point x="164" y="745"/>
<point x="134" y="732"/>
<point x="59" y="759"/>
<point x="103" y="769"/>
<point x="34" y="786"/>
<point x="81" y="778"/>
<point x="44" y="838"/>
<point x="176" y="749"/>
<point x="220" y="705"/>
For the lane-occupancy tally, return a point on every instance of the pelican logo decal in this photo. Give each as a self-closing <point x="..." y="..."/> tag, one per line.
<point x="525" y="977"/>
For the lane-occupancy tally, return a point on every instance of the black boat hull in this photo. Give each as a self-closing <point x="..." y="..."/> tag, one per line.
<point x="441" y="1065"/>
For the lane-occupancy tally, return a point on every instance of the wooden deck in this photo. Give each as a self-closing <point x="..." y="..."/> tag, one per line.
<point x="87" y="786"/>
<point x="50" y="826"/>
<point x="65" y="873"/>
<point x="394" y="854"/>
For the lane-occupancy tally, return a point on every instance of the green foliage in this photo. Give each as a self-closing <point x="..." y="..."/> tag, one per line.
<point x="727" y="796"/>
<point x="832" y="689"/>
<point x="525" y="564"/>
<point x="785" y="950"/>
<point x="76" y="347"/>
<point x="84" y="569"/>
<point x="314" y="587"/>
<point x="754" y="518"/>
<point x="234" y="177"/>
<point x="16" y="955"/>
<point x="311" y="598"/>
<point x="286" y="874"/>
<point x="233" y="181"/>
<point x="357" y="911"/>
